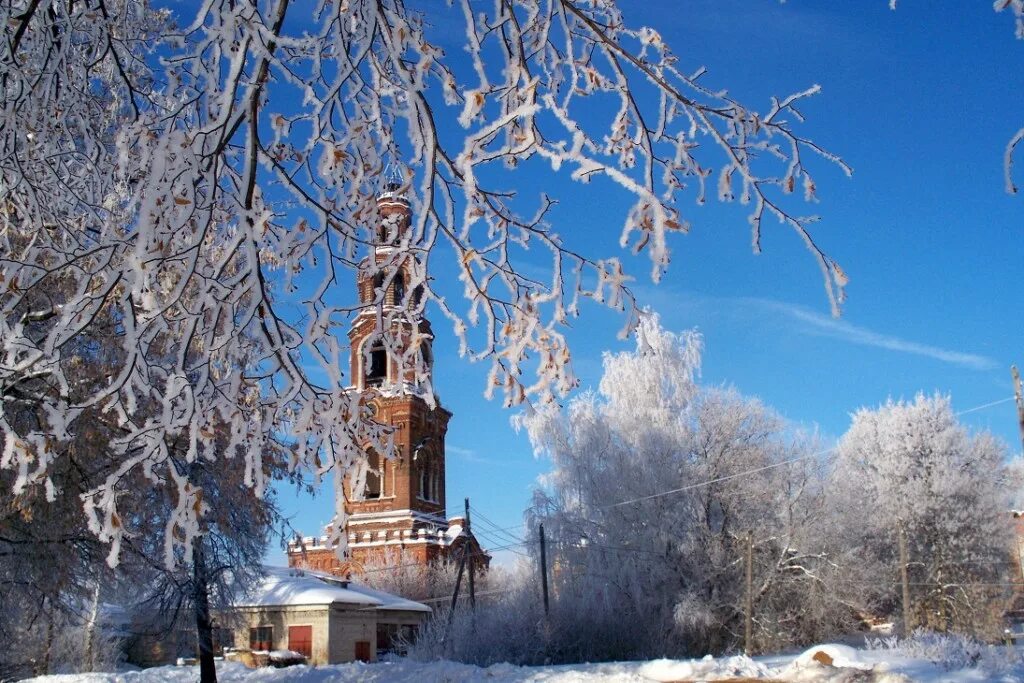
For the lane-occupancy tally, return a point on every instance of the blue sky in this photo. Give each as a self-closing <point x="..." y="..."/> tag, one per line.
<point x="921" y="102"/>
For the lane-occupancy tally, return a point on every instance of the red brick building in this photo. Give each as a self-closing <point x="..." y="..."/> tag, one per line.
<point x="403" y="508"/>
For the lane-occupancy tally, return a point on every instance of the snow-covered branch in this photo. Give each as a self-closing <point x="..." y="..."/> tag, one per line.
<point x="186" y="200"/>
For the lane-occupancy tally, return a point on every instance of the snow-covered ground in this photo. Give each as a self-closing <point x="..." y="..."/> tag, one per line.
<point x="848" y="665"/>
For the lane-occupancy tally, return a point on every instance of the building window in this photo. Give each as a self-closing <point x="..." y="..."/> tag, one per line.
<point x="395" y="638"/>
<point x="429" y="484"/>
<point x="423" y="492"/>
<point x="373" y="476"/>
<point x="222" y="638"/>
<point x="261" y="638"/>
<point x="378" y="370"/>
<point x="399" y="288"/>
<point x="386" y="637"/>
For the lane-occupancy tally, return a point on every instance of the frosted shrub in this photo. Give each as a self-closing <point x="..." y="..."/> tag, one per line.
<point x="511" y="627"/>
<point x="60" y="644"/>
<point x="502" y="629"/>
<point x="951" y="651"/>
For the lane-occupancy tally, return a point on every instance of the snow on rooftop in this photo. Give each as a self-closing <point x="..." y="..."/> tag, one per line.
<point x="388" y="600"/>
<point x="284" y="586"/>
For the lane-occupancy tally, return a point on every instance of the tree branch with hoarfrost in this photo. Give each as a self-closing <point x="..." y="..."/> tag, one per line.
<point x="194" y="194"/>
<point x="1017" y="8"/>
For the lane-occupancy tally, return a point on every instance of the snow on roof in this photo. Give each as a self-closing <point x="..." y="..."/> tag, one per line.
<point x="285" y="586"/>
<point x="453" y="532"/>
<point x="388" y="600"/>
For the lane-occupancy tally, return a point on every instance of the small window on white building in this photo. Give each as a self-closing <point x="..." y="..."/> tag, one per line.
<point x="261" y="638"/>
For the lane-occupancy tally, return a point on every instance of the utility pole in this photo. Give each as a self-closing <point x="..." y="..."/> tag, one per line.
<point x="455" y="593"/>
<point x="748" y="626"/>
<point x="472" y="585"/>
<point x="544" y="568"/>
<point x="1019" y="395"/>
<point x="908" y="619"/>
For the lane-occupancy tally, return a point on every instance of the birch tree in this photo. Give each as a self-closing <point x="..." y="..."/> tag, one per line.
<point x="657" y="484"/>
<point x="909" y="467"/>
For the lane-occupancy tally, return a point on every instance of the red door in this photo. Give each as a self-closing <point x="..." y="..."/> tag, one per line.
<point x="300" y="639"/>
<point x="363" y="650"/>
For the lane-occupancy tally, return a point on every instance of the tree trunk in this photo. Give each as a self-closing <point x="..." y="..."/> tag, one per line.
<point x="908" y="619"/>
<point x="49" y="636"/>
<point x="90" y="629"/>
<point x="204" y="627"/>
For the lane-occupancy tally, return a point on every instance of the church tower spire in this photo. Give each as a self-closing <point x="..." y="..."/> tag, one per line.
<point x="392" y="360"/>
<point x="402" y="511"/>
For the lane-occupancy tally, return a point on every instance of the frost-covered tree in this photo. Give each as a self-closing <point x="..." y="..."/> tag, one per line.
<point x="227" y="553"/>
<point x="206" y="181"/>
<point x="52" y="574"/>
<point x="673" y="565"/>
<point x="403" y="574"/>
<point x="909" y="467"/>
<point x="51" y="577"/>
<point x="54" y="579"/>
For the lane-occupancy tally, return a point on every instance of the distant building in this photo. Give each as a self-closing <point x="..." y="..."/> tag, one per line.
<point x="403" y="511"/>
<point x="326" y="619"/>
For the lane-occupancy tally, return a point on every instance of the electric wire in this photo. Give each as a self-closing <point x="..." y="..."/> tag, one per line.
<point x="769" y="467"/>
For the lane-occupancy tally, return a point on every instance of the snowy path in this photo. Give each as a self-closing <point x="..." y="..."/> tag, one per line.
<point x="850" y="666"/>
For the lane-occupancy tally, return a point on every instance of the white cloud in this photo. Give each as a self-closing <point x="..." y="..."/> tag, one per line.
<point x="468" y="454"/>
<point x="817" y="323"/>
<point x="808" y="322"/>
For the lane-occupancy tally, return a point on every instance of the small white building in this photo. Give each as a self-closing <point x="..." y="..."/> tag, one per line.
<point x="325" y="618"/>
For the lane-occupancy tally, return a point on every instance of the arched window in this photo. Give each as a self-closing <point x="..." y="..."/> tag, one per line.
<point x="373" y="476"/>
<point x="378" y="284"/>
<point x="427" y="355"/>
<point x="424" y="493"/>
<point x="377" y="372"/>
<point x="399" y="290"/>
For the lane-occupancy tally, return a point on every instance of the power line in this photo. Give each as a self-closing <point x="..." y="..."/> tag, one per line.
<point x="719" y="479"/>
<point x="488" y="520"/>
<point x="489" y="530"/>
<point x="494" y="528"/>
<point x="490" y="538"/>
<point x="513" y="526"/>
<point x="772" y="466"/>
<point x="446" y="598"/>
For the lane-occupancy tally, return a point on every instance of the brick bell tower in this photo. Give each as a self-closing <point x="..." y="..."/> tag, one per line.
<point x="402" y="514"/>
